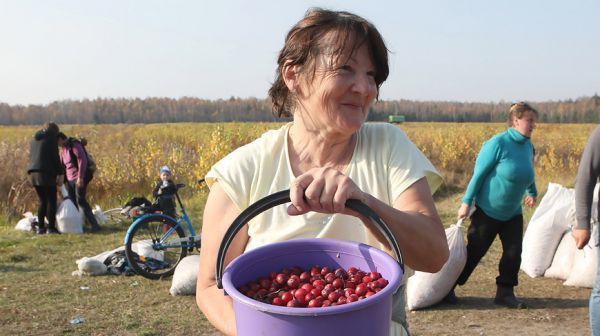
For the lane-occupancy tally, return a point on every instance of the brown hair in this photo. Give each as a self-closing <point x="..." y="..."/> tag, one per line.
<point x="310" y="38"/>
<point x="51" y="127"/>
<point x="517" y="110"/>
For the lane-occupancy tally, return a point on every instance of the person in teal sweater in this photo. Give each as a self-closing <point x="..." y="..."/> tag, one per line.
<point x="503" y="174"/>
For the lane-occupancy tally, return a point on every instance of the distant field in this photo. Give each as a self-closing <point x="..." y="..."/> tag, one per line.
<point x="129" y="156"/>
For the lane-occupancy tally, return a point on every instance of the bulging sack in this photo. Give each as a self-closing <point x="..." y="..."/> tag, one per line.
<point x="26" y="222"/>
<point x="426" y="289"/>
<point x="563" y="258"/>
<point x="186" y="275"/>
<point x="68" y="218"/>
<point x="545" y="229"/>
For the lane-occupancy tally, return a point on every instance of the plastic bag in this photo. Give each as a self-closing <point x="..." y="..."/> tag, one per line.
<point x="545" y="230"/>
<point x="426" y="289"/>
<point x="25" y="223"/>
<point x="68" y="218"/>
<point x="185" y="277"/>
<point x="99" y="214"/>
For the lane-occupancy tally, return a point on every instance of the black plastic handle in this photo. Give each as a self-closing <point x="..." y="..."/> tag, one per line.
<point x="282" y="197"/>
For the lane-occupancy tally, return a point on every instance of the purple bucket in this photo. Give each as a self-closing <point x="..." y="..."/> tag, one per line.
<point x="370" y="316"/>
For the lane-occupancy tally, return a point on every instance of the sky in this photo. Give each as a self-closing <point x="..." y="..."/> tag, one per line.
<point x="453" y="50"/>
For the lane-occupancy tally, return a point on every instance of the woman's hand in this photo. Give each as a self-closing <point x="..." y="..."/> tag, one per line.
<point x="530" y="201"/>
<point x="323" y="190"/>
<point x="463" y="211"/>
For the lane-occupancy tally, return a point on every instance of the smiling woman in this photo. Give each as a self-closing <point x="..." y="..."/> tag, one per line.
<point x="329" y="73"/>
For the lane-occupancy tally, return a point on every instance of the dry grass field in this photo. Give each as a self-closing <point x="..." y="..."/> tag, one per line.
<point x="39" y="296"/>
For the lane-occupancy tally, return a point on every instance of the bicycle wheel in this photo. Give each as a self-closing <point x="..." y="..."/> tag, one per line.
<point x="152" y="253"/>
<point x="114" y="216"/>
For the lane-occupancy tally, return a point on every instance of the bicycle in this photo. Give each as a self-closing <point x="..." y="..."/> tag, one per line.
<point x="156" y="242"/>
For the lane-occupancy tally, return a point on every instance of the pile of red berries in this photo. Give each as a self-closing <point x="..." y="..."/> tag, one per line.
<point x="317" y="287"/>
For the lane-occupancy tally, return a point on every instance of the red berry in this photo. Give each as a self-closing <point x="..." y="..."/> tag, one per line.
<point x="281" y="278"/>
<point x="304" y="277"/>
<point x="278" y="301"/>
<point x="307" y="286"/>
<point x="287" y="297"/>
<point x="315" y="270"/>
<point x="325" y="270"/>
<point x="366" y="279"/>
<point x="375" y="275"/>
<point x="338" y="283"/>
<point x="361" y="289"/>
<point x="300" y="293"/>
<point x="333" y="297"/>
<point x="293" y="283"/>
<point x="314" y="303"/>
<point x="352" y="270"/>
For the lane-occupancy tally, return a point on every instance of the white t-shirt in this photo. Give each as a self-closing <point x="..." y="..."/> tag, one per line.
<point x="384" y="164"/>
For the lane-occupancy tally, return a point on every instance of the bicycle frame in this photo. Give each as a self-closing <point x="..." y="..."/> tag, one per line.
<point x="190" y="234"/>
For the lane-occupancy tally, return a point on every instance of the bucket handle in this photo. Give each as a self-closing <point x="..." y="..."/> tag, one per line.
<point x="282" y="197"/>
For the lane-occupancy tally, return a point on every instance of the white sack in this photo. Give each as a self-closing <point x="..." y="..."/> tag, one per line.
<point x="583" y="273"/>
<point x="25" y="223"/>
<point x="426" y="289"/>
<point x="585" y="264"/>
<point x="144" y="248"/>
<point x="563" y="258"/>
<point x="185" y="276"/>
<point x="99" y="214"/>
<point x="90" y="266"/>
<point x="68" y="218"/>
<point x="545" y="230"/>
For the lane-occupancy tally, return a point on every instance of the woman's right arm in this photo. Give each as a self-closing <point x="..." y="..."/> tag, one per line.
<point x="219" y="213"/>
<point x="487" y="159"/>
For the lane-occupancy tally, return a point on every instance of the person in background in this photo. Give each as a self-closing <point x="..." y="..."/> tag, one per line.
<point x="328" y="76"/>
<point x="503" y="174"/>
<point x="74" y="158"/>
<point x="587" y="177"/>
<point x="45" y="172"/>
<point x="164" y="192"/>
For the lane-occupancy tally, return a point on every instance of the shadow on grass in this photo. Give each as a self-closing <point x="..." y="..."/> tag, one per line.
<point x="487" y="303"/>
<point x="17" y="269"/>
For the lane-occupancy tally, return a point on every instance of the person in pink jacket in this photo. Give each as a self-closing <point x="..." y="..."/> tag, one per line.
<point x="74" y="158"/>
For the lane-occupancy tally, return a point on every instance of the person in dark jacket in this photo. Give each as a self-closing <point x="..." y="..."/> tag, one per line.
<point x="45" y="172"/>
<point x="74" y="159"/>
<point x="164" y="192"/>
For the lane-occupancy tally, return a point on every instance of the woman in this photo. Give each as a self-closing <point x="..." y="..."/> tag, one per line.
<point x="503" y="174"/>
<point x="329" y="73"/>
<point x="75" y="160"/>
<point x="587" y="177"/>
<point x="45" y="172"/>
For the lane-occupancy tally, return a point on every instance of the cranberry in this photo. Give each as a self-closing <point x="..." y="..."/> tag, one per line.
<point x="304" y="277"/>
<point x="287" y="297"/>
<point x="352" y="270"/>
<point x="315" y="270"/>
<point x="361" y="289"/>
<point x="293" y="283"/>
<point x="333" y="296"/>
<point x="300" y="293"/>
<point x="338" y="283"/>
<point x="278" y="301"/>
<point x="375" y="275"/>
<point x="281" y="278"/>
<point x="366" y="279"/>
<point x="325" y="270"/>
<point x="314" y="303"/>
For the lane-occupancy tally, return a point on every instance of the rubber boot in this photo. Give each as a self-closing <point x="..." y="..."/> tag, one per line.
<point x="505" y="296"/>
<point x="451" y="298"/>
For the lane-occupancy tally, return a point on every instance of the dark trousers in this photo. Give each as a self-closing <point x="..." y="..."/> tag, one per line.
<point x="47" y="207"/>
<point x="77" y="194"/>
<point x="481" y="235"/>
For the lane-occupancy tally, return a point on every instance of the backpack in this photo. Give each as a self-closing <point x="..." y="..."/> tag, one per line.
<point x="91" y="163"/>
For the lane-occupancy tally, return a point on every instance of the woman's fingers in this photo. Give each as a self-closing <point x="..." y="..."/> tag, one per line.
<point x="299" y="204"/>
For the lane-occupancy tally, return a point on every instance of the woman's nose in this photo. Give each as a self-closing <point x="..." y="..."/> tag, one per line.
<point x="363" y="85"/>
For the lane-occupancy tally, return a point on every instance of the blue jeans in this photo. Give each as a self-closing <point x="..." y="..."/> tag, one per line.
<point x="595" y="297"/>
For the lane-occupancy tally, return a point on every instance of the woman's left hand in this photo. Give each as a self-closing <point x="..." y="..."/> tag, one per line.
<point x="530" y="201"/>
<point x="323" y="190"/>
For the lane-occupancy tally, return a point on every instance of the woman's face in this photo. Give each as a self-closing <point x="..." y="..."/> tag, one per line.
<point x="340" y="95"/>
<point x="525" y="124"/>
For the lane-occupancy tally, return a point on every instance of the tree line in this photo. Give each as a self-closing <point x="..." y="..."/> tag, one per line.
<point x="190" y="109"/>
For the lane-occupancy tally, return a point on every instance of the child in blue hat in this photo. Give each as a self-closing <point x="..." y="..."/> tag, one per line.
<point x="164" y="192"/>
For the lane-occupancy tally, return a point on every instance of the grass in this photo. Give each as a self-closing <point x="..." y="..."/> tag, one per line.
<point x="39" y="296"/>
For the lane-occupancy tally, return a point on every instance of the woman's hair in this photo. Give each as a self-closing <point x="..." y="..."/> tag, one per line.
<point x="51" y="127"/>
<point x="322" y="32"/>
<point x="517" y="110"/>
<point x="62" y="136"/>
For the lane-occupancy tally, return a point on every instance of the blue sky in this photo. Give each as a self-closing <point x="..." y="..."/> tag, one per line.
<point x="441" y="50"/>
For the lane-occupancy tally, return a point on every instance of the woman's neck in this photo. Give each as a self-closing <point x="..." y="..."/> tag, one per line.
<point x="316" y="148"/>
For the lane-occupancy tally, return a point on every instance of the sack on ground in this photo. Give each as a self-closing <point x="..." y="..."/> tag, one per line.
<point x="68" y="218"/>
<point x="545" y="230"/>
<point x="185" y="277"/>
<point x="144" y="248"/>
<point x="563" y="258"/>
<point x="426" y="289"/>
<point x="90" y="266"/>
<point x="99" y="214"/>
<point x="25" y="223"/>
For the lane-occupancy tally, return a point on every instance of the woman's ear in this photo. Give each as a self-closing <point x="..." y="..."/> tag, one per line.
<point x="291" y="75"/>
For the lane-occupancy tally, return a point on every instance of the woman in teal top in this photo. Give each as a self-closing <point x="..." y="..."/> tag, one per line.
<point x="503" y="174"/>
